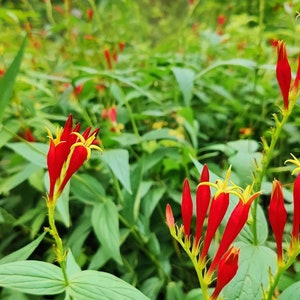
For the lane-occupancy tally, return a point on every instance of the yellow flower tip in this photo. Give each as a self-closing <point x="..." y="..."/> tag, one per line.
<point x="246" y="194"/>
<point x="295" y="162"/>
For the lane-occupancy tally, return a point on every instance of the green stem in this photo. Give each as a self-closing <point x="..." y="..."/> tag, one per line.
<point x="59" y="249"/>
<point x="142" y="244"/>
<point x="267" y="156"/>
<point x="197" y="266"/>
<point x="132" y="120"/>
<point x="280" y="271"/>
<point x="49" y="12"/>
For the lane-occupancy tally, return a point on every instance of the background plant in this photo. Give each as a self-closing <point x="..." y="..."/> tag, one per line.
<point x="181" y="87"/>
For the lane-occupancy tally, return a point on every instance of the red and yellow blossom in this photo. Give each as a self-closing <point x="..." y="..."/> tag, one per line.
<point x="225" y="260"/>
<point x="67" y="152"/>
<point x="284" y="76"/>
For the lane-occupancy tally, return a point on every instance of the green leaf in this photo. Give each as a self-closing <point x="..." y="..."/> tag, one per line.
<point x="93" y="285"/>
<point x="131" y="207"/>
<point x="158" y="134"/>
<point x="195" y="294"/>
<point x="244" y="158"/>
<point x="8" y="131"/>
<point x="105" y="220"/>
<point x="151" y="287"/>
<point x="246" y="234"/>
<point x="253" y="273"/>
<point x="71" y="265"/>
<point x="212" y="176"/>
<point x="118" y="162"/>
<point x="62" y="202"/>
<point x="240" y="62"/>
<point x="174" y="291"/>
<point x="87" y="188"/>
<point x="8" y="80"/>
<point x="292" y="292"/>
<point x="117" y="93"/>
<point x="10" y="182"/>
<point x="33" y="152"/>
<point x="151" y="199"/>
<point x="32" y="277"/>
<point x="22" y="253"/>
<point x="62" y="206"/>
<point x="185" y="78"/>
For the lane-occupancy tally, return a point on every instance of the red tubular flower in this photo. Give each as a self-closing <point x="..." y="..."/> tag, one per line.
<point x="235" y="224"/>
<point x="277" y="215"/>
<point x="202" y="203"/>
<point x="121" y="46"/>
<point x="186" y="208"/>
<point x="227" y="269"/>
<point x="221" y="19"/>
<point x="108" y="58"/>
<point x="296" y="203"/>
<point x="295" y="85"/>
<point x="67" y="152"/>
<point x="283" y="73"/>
<point x="169" y="216"/>
<point x="217" y="211"/>
<point x="90" y="14"/>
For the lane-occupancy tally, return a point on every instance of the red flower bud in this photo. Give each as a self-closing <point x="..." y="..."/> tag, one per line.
<point x="186" y="208"/>
<point x="283" y="73"/>
<point x="235" y="224"/>
<point x="202" y="203"/>
<point x="107" y="56"/>
<point x="227" y="269"/>
<point x="277" y="215"/>
<point x="90" y="14"/>
<point x="296" y="203"/>
<point x="217" y="211"/>
<point x="169" y="216"/>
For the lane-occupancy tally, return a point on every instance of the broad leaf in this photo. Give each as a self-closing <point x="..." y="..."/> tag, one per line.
<point x="174" y="291"/>
<point x="239" y="62"/>
<point x="10" y="182"/>
<point x="105" y="220"/>
<point x="253" y="273"/>
<point x="151" y="287"/>
<point x="185" y="78"/>
<point x="33" y="152"/>
<point x="118" y="162"/>
<point x="8" y="80"/>
<point x="62" y="206"/>
<point x="244" y="158"/>
<point x="93" y="285"/>
<point x="87" y="188"/>
<point x="71" y="265"/>
<point x="292" y="292"/>
<point x="22" y="253"/>
<point x="8" y="131"/>
<point x="32" y="277"/>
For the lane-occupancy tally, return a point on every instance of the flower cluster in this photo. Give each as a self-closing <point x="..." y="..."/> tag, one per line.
<point x="67" y="152"/>
<point x="288" y="89"/>
<point x="278" y="215"/>
<point x="212" y="208"/>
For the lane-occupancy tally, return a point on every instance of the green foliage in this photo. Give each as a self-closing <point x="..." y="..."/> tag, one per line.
<point x="187" y="91"/>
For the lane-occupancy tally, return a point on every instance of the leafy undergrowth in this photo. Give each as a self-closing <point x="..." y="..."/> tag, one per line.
<point x="172" y="86"/>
